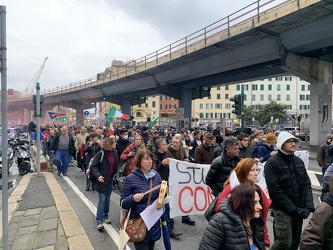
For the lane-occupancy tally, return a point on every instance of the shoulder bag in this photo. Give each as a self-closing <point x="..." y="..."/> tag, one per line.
<point x="136" y="228"/>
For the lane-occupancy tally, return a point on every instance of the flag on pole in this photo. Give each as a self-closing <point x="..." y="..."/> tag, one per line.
<point x="115" y="113"/>
<point x="56" y="116"/>
<point x="154" y="121"/>
<point x="110" y="131"/>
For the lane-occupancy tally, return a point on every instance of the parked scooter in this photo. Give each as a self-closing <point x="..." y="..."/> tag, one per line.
<point x="10" y="159"/>
<point x="23" y="156"/>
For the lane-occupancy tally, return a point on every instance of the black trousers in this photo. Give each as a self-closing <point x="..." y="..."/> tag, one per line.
<point x="144" y="246"/>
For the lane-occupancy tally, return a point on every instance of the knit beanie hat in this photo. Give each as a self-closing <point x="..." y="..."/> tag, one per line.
<point x="271" y="138"/>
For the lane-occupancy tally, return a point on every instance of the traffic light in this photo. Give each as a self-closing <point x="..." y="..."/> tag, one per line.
<point x="238" y="104"/>
<point x="104" y="97"/>
<point x="41" y="100"/>
<point x="132" y="118"/>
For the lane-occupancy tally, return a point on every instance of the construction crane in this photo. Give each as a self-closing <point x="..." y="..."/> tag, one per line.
<point x="32" y="85"/>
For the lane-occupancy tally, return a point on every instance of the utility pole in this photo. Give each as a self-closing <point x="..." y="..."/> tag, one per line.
<point x="4" y="121"/>
<point x="242" y="108"/>
<point x="38" y="114"/>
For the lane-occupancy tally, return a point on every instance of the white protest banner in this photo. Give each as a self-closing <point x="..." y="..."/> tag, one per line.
<point x="305" y="156"/>
<point x="189" y="193"/>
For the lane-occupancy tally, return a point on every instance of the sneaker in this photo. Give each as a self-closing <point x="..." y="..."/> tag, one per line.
<point x="107" y="221"/>
<point x="174" y="233"/>
<point x="64" y="174"/>
<point x="87" y="189"/>
<point x="100" y="227"/>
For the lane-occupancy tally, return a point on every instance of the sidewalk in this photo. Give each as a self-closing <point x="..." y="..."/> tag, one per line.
<point x="41" y="217"/>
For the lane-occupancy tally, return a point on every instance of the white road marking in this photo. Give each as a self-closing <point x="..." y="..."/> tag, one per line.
<point x="111" y="231"/>
<point x="315" y="184"/>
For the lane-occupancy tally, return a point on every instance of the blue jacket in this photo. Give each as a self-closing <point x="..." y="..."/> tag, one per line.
<point x="263" y="152"/>
<point x="136" y="182"/>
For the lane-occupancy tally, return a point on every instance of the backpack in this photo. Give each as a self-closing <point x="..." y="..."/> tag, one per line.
<point x="119" y="177"/>
<point x="90" y="175"/>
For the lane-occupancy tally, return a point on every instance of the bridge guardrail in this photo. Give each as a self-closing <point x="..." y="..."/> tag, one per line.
<point x="250" y="12"/>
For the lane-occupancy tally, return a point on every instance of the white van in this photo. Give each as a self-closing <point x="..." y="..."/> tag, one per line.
<point x="293" y="130"/>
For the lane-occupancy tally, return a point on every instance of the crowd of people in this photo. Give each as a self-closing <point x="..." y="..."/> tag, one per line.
<point x="241" y="212"/>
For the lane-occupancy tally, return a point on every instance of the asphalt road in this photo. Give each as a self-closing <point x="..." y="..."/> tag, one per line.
<point x="191" y="234"/>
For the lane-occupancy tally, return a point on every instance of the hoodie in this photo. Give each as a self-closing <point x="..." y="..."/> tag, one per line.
<point x="283" y="137"/>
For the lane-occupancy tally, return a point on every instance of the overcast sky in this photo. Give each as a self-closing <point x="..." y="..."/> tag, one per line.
<point x="82" y="37"/>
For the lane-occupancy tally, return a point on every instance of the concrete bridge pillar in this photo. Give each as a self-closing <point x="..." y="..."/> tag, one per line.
<point x="79" y="113"/>
<point x="185" y="102"/>
<point x="321" y="104"/>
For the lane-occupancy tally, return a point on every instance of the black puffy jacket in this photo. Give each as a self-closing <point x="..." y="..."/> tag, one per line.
<point x="219" y="172"/>
<point x="288" y="183"/>
<point x="164" y="171"/>
<point x="226" y="231"/>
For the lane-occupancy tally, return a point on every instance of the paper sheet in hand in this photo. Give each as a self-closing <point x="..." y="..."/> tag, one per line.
<point x="233" y="180"/>
<point x="151" y="215"/>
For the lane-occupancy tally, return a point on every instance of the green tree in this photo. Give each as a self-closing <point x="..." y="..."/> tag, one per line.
<point x="263" y="113"/>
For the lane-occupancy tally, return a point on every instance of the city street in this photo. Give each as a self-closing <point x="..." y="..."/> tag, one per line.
<point x="83" y="202"/>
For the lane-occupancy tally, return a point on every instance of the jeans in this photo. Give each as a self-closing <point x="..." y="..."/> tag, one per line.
<point x="103" y="204"/>
<point x="31" y="136"/>
<point x="51" y="156"/>
<point x="62" y="160"/>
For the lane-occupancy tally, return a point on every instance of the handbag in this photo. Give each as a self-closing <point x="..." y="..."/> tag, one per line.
<point x="119" y="178"/>
<point x="210" y="211"/>
<point x="136" y="228"/>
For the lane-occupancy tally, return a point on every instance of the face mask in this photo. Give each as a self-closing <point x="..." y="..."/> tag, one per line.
<point x="125" y="137"/>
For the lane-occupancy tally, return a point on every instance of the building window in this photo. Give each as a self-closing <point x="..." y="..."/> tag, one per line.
<point x="289" y="106"/>
<point x="218" y="88"/>
<point x="309" y="87"/>
<point x="270" y="79"/>
<point x="201" y="115"/>
<point x="303" y="87"/>
<point x="226" y="115"/>
<point x="288" y="97"/>
<point x="269" y="97"/>
<point x="218" y="96"/>
<point x="269" y="86"/>
<point x="218" y="105"/>
<point x="218" y="115"/>
<point x="201" y="106"/>
<point x="245" y="98"/>
<point x="288" y="78"/>
<point x="210" y="97"/>
<point x="209" y="105"/>
<point x="302" y="97"/>
<point x="153" y="104"/>
<point x="226" y="96"/>
<point x="254" y="87"/>
<point x="253" y="97"/>
<point x="262" y="98"/>
<point x="278" y="87"/>
<point x="209" y="115"/>
<point x="246" y="87"/>
<point x="307" y="97"/>
<point x="238" y="87"/>
<point x="227" y="105"/>
<point x="288" y="87"/>
<point x="278" y="78"/>
<point x="226" y="87"/>
<point x="262" y="87"/>
<point x="139" y="105"/>
<point x="146" y="105"/>
<point x="278" y="97"/>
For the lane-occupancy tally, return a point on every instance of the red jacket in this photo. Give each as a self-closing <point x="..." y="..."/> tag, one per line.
<point x="265" y="203"/>
<point x="123" y="157"/>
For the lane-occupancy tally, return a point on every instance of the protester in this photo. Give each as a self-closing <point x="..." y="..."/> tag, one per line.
<point x="32" y="129"/>
<point x="169" y="137"/>
<point x="289" y="187"/>
<point x="144" y="134"/>
<point x="243" y="141"/>
<point x="229" y="134"/>
<point x="221" y="166"/>
<point x="122" y="142"/>
<point x="204" y="152"/>
<point x="178" y="152"/>
<point x="131" y="151"/>
<point x="79" y="140"/>
<point x="162" y="167"/>
<point x="323" y="158"/>
<point x="104" y="172"/>
<point x="195" y="142"/>
<point x="238" y="224"/>
<point x="91" y="148"/>
<point x="265" y="149"/>
<point x="318" y="234"/>
<point x="258" y="138"/>
<point x="247" y="172"/>
<point x="64" y="148"/>
<point x="217" y="147"/>
<point x="151" y="144"/>
<point x="49" y="142"/>
<point x="133" y="196"/>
